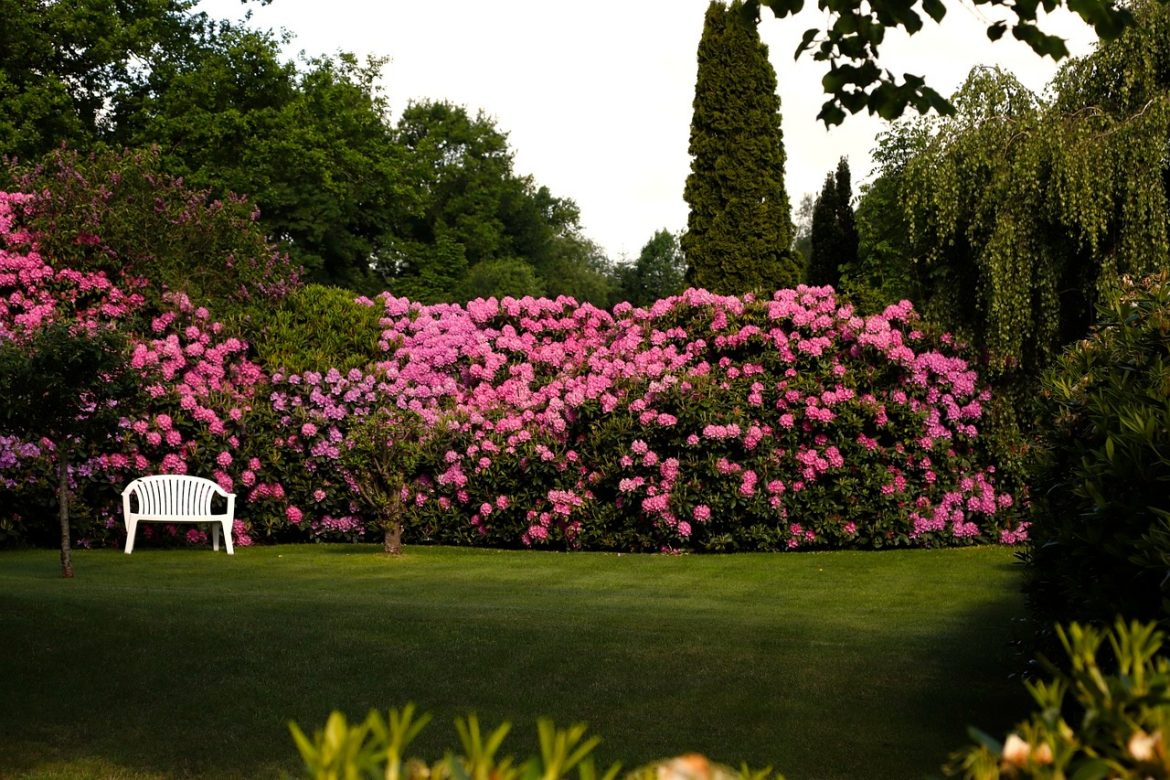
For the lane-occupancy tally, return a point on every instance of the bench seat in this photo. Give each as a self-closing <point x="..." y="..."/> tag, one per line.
<point x="177" y="498"/>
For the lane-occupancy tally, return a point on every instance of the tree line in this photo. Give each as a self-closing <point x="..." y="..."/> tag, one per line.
<point x="995" y="218"/>
<point x="429" y="206"/>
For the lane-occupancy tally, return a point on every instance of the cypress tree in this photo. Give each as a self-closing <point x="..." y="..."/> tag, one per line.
<point x="834" y="229"/>
<point x="739" y="229"/>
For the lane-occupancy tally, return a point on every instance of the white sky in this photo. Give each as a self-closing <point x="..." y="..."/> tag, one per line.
<point x="596" y="96"/>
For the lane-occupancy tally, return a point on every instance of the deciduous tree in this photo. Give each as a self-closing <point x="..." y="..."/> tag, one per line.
<point x="70" y="386"/>
<point x="659" y="272"/>
<point x="852" y="38"/>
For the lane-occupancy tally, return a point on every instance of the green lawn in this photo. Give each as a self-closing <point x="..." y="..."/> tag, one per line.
<point x="185" y="663"/>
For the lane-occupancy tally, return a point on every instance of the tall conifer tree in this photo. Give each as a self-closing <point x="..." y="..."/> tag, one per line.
<point x="739" y="230"/>
<point x="834" y="229"/>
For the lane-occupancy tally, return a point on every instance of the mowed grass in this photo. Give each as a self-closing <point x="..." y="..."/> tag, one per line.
<point x="185" y="663"/>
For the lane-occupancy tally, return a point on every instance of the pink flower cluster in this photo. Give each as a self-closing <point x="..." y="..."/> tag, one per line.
<point x="33" y="293"/>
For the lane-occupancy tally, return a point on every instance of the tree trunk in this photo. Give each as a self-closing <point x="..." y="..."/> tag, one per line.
<point x="392" y="537"/>
<point x="392" y="525"/>
<point x="63" y="510"/>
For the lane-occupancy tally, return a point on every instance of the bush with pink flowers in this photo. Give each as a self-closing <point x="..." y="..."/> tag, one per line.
<point x="704" y="422"/>
<point x="197" y="377"/>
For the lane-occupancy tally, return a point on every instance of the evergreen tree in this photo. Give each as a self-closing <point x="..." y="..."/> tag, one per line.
<point x="739" y="230"/>
<point x="834" y="229"/>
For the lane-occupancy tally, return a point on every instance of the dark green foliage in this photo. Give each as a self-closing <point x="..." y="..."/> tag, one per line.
<point x="851" y="40"/>
<point x="427" y="273"/>
<point x="473" y="208"/>
<point x="70" y="386"/>
<point x="579" y="269"/>
<point x="120" y="214"/>
<point x="62" y="64"/>
<point x="834" y="237"/>
<point x="659" y="272"/>
<point x="500" y="278"/>
<point x="739" y="229"/>
<point x="1100" y="544"/>
<point x="310" y="145"/>
<point x="884" y="270"/>
<point x="315" y="328"/>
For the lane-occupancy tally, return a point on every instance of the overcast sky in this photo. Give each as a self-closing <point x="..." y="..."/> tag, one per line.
<point x="595" y="96"/>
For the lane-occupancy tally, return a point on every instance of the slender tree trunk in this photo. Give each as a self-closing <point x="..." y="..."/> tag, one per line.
<point x="63" y="510"/>
<point x="392" y="527"/>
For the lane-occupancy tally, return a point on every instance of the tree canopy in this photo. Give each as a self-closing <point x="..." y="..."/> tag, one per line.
<point x="852" y="39"/>
<point x="356" y="200"/>
<point x="1020" y="212"/>
<point x="659" y="272"/>
<point x="739" y="229"/>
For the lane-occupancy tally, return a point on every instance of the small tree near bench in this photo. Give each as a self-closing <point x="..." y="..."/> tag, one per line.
<point x="69" y="385"/>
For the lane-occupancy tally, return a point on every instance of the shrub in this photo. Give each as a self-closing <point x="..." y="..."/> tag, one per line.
<point x="314" y="328"/>
<point x="706" y="422"/>
<point x="118" y="214"/>
<point x="1101" y="541"/>
<point x="375" y="748"/>
<point x="1115" y="725"/>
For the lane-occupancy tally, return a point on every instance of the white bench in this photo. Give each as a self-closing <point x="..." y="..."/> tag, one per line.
<point x="177" y="498"/>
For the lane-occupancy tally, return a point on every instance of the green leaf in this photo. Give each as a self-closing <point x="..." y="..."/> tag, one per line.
<point x="783" y="8"/>
<point x="806" y="40"/>
<point x="986" y="740"/>
<point x="1093" y="769"/>
<point x="934" y="9"/>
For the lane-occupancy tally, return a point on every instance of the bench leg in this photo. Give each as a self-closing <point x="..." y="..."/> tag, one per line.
<point x="227" y="536"/>
<point x="215" y="537"/>
<point x="131" y="528"/>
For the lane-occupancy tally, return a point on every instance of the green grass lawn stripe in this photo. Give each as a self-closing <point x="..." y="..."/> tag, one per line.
<point x="181" y="663"/>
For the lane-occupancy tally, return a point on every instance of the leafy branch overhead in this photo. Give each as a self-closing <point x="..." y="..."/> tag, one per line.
<point x="852" y="41"/>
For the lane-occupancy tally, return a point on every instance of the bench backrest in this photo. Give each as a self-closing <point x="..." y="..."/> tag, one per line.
<point x="174" y="494"/>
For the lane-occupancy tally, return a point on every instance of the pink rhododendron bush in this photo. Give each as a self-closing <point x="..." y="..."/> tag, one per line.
<point x="706" y="422"/>
<point x="198" y="379"/>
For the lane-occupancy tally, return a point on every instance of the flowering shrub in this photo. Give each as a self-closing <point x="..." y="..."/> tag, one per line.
<point x="1113" y="727"/>
<point x="704" y="422"/>
<point x="197" y="380"/>
<point x="33" y="293"/>
<point x="118" y="214"/>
